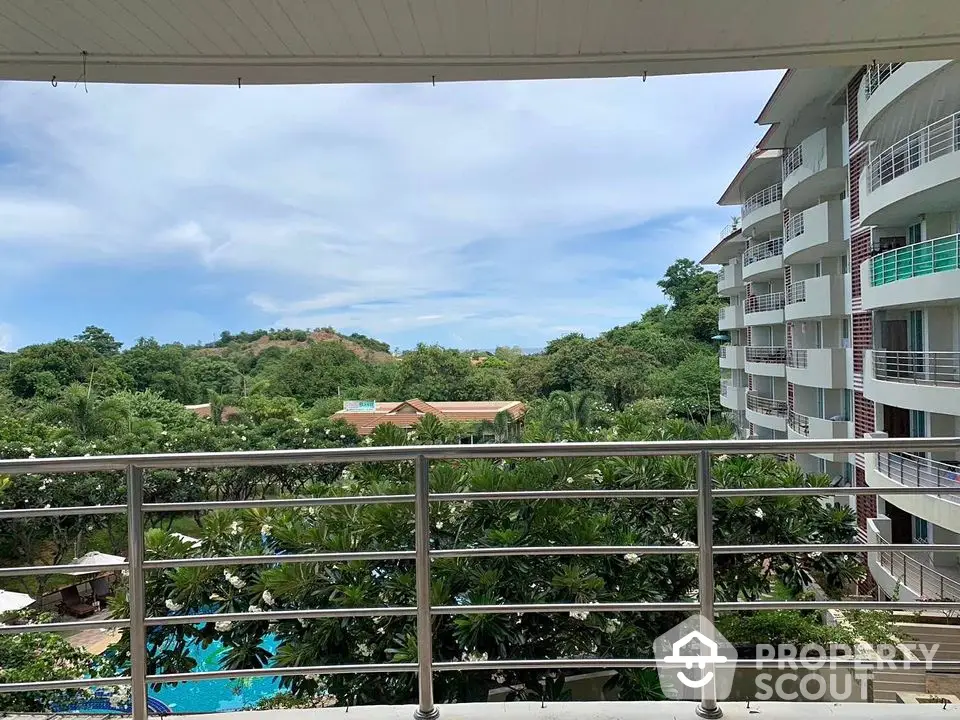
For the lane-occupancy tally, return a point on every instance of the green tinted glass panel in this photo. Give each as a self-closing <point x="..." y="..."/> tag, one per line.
<point x="926" y="258"/>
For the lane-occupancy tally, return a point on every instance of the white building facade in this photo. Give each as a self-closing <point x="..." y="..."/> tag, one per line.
<point x="843" y="280"/>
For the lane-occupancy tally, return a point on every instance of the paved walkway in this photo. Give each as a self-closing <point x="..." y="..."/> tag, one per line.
<point x="94" y="640"/>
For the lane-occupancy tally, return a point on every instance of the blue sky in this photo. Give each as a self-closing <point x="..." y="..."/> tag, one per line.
<point x="472" y="215"/>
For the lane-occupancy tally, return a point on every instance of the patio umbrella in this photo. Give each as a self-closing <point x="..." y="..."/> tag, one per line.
<point x="191" y="541"/>
<point x="10" y="601"/>
<point x="95" y="557"/>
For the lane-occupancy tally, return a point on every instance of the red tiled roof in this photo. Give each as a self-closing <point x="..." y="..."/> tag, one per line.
<point x="386" y="413"/>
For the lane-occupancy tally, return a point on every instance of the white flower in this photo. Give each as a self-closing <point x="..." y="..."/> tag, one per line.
<point x="758" y="513"/>
<point x="254" y="609"/>
<point x="265" y="529"/>
<point x="474" y="657"/>
<point x="223" y="626"/>
<point x="343" y="437"/>
<point x="569" y="480"/>
<point x="234" y="527"/>
<point x="327" y="431"/>
<point x="499" y="678"/>
<point x="721" y="458"/>
<point x="612" y="626"/>
<point x="579" y="615"/>
<point x="439" y="525"/>
<point x="268" y="598"/>
<point x="173" y="606"/>
<point x="365" y="650"/>
<point x="816" y="555"/>
<point x="234" y="580"/>
<point x="216" y="598"/>
<point x="632" y="558"/>
<point x="243" y="438"/>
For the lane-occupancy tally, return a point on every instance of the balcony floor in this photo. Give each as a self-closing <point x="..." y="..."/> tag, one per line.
<point x="578" y="711"/>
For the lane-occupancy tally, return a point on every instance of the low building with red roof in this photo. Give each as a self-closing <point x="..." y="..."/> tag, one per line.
<point x="408" y="413"/>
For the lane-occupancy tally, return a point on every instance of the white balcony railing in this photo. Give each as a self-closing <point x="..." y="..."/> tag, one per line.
<point x="792" y="161"/>
<point x="766" y="354"/>
<point x="763" y="303"/>
<point x="768" y="195"/>
<point x="701" y="492"/>
<point x="762" y="251"/>
<point x="876" y="75"/>
<point x="917" y="367"/>
<point x="796" y="292"/>
<point x="766" y="405"/>
<point x="797" y="359"/>
<point x="793" y="227"/>
<point x="925" y="145"/>
<point x="922" y="579"/>
<point x="918" y="471"/>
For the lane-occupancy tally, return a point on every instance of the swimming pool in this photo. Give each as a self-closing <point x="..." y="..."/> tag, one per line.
<point x="217" y="695"/>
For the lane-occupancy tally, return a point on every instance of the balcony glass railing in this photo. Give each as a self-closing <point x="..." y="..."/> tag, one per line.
<point x="426" y="548"/>
<point x="925" y="145"/>
<point x="768" y="195"/>
<point x="766" y="354"/>
<point x="918" y="471"/>
<point x="792" y="161"/>
<point x="763" y="303"/>
<point x="876" y="75"/>
<point x="766" y="405"/>
<point x="917" y="367"/>
<point x="762" y="251"/>
<point x="926" y="258"/>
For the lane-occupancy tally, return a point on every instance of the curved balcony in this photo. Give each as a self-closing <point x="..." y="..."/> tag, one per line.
<point x="730" y="279"/>
<point x="731" y="357"/>
<point x="915" y="380"/>
<point x="764" y="309"/>
<point x="733" y="397"/>
<point x="885" y="83"/>
<point x="813" y="298"/>
<point x="815" y="233"/>
<point x="814" y="168"/>
<point x="766" y="411"/>
<point x="761" y="211"/>
<point x="818" y="367"/>
<point x="921" y="273"/>
<point x="801" y="426"/>
<point x="905" y="576"/>
<point x="730" y="317"/>
<point x="919" y="174"/>
<point x="893" y="470"/>
<point x="763" y="260"/>
<point x="765" y="360"/>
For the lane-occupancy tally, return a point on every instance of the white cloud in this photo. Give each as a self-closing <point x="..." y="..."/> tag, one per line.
<point x="6" y="337"/>
<point x="362" y="205"/>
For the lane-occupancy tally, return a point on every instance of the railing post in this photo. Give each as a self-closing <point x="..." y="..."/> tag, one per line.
<point x="708" y="697"/>
<point x="137" y="601"/>
<point x="425" y="709"/>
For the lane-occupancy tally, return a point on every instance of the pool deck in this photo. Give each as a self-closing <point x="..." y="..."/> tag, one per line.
<point x="96" y="640"/>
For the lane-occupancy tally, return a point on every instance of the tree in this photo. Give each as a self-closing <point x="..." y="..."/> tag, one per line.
<point x="319" y="370"/>
<point x="99" y="340"/>
<point x="45" y="369"/>
<point x="431" y="373"/>
<point x="85" y="414"/>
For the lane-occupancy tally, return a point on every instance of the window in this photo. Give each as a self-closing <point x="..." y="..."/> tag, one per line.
<point x="818" y="328"/>
<point x="918" y="423"/>
<point x="921" y="530"/>
<point x="821" y="403"/>
<point x="844" y="264"/>
<point x="915" y="233"/>
<point x="847" y="405"/>
<point x="845" y="333"/>
<point x="916" y="330"/>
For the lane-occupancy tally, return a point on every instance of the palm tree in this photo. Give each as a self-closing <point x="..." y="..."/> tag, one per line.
<point x="87" y="415"/>
<point x="577" y="407"/>
<point x="503" y="428"/>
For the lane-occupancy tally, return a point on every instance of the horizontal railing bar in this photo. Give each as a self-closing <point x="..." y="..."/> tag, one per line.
<point x="560" y="495"/>
<point x="278" y="503"/>
<point x="547" y="608"/>
<point x="750" y="606"/>
<point x="42" y="685"/>
<point x="278" y="559"/>
<point x="62" y="511"/>
<point x="61" y="626"/>
<point x="860" y="490"/>
<point x="278" y="615"/>
<point x="833" y="548"/>
<point x="455" y="452"/>
<point x="280" y="671"/>
<point x="564" y="550"/>
<point x="601" y="663"/>
<point x="60" y="569"/>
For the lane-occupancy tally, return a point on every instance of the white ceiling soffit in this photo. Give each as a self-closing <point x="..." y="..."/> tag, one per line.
<point x="326" y="41"/>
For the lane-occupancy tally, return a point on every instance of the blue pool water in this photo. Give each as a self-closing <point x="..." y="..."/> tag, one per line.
<point x="217" y="695"/>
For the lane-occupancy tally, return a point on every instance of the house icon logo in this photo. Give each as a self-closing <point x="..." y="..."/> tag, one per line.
<point x="693" y="655"/>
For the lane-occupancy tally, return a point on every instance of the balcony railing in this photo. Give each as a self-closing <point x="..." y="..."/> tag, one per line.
<point x="917" y="367"/>
<point x="766" y="354"/>
<point x="792" y="161"/>
<point x="794" y="226"/>
<point x="768" y="195"/>
<point x="876" y="75"/>
<point x="702" y="493"/>
<point x="762" y="251"/>
<point x="926" y="258"/>
<point x="764" y="303"/>
<point x="921" y="578"/>
<point x="934" y="141"/>
<point x="723" y="351"/>
<point x="797" y="359"/>
<point x="918" y="471"/>
<point x="766" y="405"/>
<point x="799" y="423"/>
<point x="796" y="292"/>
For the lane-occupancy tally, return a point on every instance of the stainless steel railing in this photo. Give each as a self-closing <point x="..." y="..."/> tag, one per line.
<point x="922" y="579"/>
<point x="763" y="303"/>
<point x="918" y="471"/>
<point x="771" y="194"/>
<point x="136" y="465"/>
<point x="918" y="148"/>
<point x="762" y="251"/>
<point x="766" y="405"/>
<point x="797" y="358"/>
<point x="799" y="423"/>
<point x="876" y="75"/>
<point x="918" y="367"/>
<point x="766" y="354"/>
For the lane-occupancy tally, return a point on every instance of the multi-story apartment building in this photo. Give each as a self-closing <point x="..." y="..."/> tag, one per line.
<point x="843" y="278"/>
